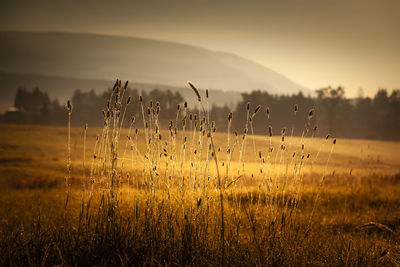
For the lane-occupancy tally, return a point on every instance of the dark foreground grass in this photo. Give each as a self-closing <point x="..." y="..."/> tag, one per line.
<point x="135" y="229"/>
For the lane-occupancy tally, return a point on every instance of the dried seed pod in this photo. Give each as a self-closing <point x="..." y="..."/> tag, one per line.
<point x="196" y="91"/>
<point x="69" y="106"/>
<point x="311" y="113"/>
<point x="230" y="116"/>
<point x="270" y="130"/>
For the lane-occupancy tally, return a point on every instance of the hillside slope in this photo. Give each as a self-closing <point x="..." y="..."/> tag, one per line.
<point x="103" y="57"/>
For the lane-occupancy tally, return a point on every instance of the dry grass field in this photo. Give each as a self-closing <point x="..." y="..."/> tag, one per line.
<point x="156" y="197"/>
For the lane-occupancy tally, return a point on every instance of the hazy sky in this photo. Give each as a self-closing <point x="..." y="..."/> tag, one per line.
<point x="315" y="43"/>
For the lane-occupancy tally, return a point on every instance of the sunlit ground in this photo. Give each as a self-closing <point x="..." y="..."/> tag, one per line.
<point x="280" y="208"/>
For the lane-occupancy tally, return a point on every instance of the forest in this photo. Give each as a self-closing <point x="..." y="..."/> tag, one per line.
<point x="335" y="114"/>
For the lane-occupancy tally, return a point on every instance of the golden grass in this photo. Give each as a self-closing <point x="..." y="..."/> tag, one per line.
<point x="34" y="157"/>
<point x="192" y="196"/>
<point x="39" y="153"/>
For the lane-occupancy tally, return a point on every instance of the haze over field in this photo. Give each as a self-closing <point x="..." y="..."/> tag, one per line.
<point x="314" y="43"/>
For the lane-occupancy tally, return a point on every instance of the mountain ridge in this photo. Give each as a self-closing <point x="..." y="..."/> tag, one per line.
<point x="97" y="56"/>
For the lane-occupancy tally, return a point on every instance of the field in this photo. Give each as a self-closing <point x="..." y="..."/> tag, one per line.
<point x="157" y="197"/>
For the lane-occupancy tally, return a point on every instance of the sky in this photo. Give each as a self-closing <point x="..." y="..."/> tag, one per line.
<point x="315" y="43"/>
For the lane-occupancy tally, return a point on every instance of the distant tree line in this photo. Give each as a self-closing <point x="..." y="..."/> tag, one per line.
<point x="361" y="117"/>
<point x="332" y="112"/>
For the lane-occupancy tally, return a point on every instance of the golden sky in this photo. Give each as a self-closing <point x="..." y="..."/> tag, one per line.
<point x="355" y="44"/>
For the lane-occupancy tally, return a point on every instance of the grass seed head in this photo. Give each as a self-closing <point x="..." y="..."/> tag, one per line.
<point x="230" y="116"/>
<point x="270" y="130"/>
<point x="196" y="91"/>
<point x="311" y="113"/>
<point x="69" y="106"/>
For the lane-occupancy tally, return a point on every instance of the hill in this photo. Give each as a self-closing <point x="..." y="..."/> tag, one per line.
<point x="104" y="57"/>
